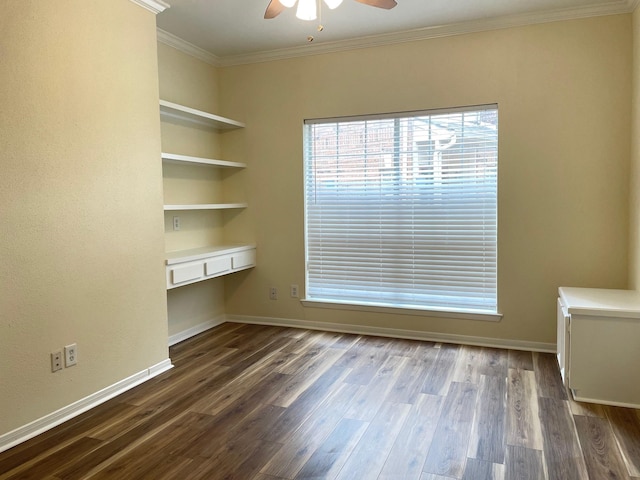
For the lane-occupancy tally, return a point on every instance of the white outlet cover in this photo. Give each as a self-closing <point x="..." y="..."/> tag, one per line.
<point x="56" y="361"/>
<point x="70" y="355"/>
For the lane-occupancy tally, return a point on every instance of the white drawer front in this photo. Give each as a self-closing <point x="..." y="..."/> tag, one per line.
<point x="186" y="273"/>
<point x="244" y="259"/>
<point x="217" y="266"/>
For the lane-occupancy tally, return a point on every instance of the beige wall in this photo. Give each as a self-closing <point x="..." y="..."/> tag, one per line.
<point x="80" y="201"/>
<point x="193" y="83"/>
<point x="634" y="204"/>
<point x="563" y="91"/>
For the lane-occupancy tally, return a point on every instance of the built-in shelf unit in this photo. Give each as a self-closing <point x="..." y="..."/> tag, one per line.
<point x="192" y="265"/>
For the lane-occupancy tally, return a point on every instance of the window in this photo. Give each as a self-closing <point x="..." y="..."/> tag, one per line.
<point x="401" y="210"/>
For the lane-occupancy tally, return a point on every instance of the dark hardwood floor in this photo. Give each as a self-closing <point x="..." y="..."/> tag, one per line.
<point x="269" y="403"/>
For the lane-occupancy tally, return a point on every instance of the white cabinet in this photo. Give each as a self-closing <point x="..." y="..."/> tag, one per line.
<point x="192" y="265"/>
<point x="599" y="344"/>
<point x="563" y="342"/>
<point x="198" y="264"/>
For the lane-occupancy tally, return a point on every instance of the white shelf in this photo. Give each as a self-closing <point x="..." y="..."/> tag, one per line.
<point x="188" y="115"/>
<point x="186" y="159"/>
<point x="192" y="254"/>
<point x="205" y="206"/>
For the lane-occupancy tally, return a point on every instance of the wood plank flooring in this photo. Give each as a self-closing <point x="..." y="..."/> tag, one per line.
<point x="268" y="403"/>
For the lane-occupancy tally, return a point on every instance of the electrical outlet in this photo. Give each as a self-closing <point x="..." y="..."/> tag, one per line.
<point x="294" y="291"/>
<point x="176" y="223"/>
<point x="273" y="293"/>
<point x="70" y="355"/>
<point x="56" y="361"/>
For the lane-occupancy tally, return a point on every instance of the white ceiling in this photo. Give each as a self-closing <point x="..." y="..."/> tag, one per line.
<point x="234" y="31"/>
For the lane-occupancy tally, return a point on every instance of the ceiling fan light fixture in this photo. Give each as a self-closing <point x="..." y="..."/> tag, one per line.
<point x="307" y="10"/>
<point x="333" y="3"/>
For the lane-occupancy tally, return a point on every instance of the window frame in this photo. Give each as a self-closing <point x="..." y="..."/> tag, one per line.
<point x="401" y="308"/>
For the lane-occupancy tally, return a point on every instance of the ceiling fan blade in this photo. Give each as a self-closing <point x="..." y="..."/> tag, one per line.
<point x="387" y="4"/>
<point x="273" y="9"/>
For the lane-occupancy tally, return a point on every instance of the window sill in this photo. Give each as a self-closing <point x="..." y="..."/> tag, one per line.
<point x="422" y="312"/>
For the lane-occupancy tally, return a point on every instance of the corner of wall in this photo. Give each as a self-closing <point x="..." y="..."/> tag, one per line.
<point x="634" y="177"/>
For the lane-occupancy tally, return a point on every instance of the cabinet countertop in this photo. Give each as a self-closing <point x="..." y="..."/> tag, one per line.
<point x="192" y="254"/>
<point x="601" y="302"/>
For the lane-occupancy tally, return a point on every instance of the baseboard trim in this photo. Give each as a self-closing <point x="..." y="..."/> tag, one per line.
<point x="601" y="401"/>
<point x="397" y="333"/>
<point x="41" y="425"/>
<point x="193" y="331"/>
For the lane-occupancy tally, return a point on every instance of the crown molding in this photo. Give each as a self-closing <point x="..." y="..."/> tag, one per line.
<point x="188" y="48"/>
<point x="621" y="7"/>
<point x="431" y="32"/>
<point x="155" y="6"/>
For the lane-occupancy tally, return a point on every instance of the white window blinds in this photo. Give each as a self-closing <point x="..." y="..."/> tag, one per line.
<point x="401" y="210"/>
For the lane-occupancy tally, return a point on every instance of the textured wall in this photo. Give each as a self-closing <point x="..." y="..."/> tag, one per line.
<point x="80" y="201"/>
<point x="564" y="93"/>
<point x="634" y="209"/>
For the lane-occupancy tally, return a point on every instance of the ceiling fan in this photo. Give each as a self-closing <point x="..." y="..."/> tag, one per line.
<point x="307" y="8"/>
